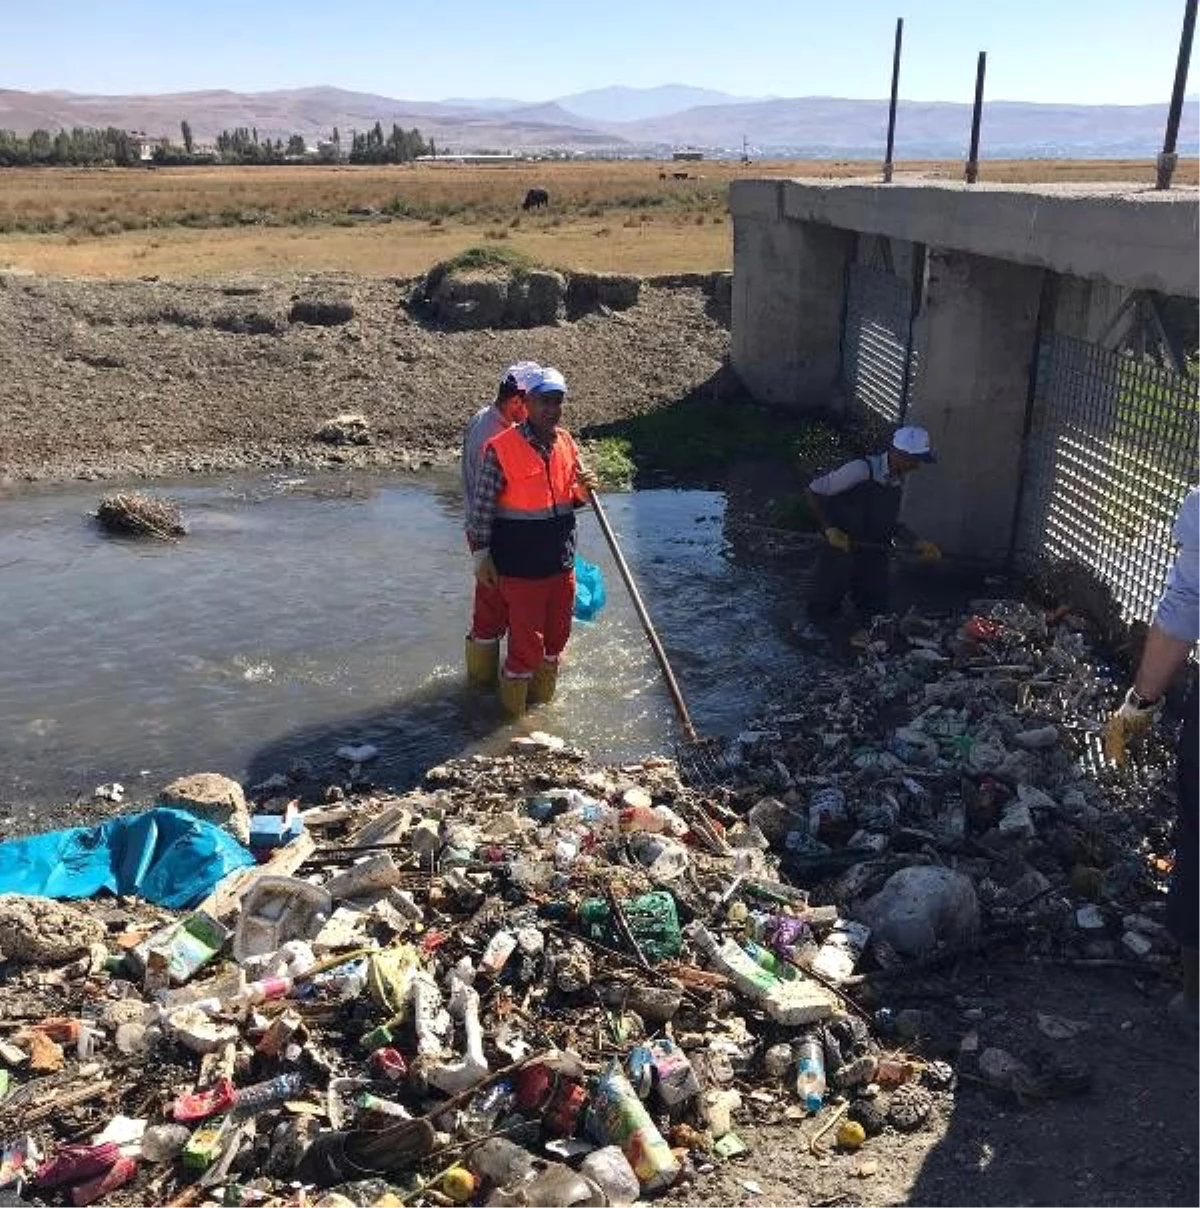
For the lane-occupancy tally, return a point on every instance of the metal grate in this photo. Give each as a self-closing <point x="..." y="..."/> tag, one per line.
<point x="1111" y="451"/>
<point x="876" y="343"/>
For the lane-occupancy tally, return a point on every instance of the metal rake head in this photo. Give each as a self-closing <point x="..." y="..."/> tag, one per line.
<point x="702" y="763"/>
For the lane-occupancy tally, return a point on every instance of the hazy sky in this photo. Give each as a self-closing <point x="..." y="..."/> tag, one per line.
<point x="1092" y="51"/>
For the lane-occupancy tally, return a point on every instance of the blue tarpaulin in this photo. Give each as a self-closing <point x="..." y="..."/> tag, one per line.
<point x="589" y="590"/>
<point x="168" y="857"/>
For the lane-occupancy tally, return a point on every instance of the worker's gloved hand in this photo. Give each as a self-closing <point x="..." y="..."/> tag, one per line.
<point x="838" y="538"/>
<point x="485" y="568"/>
<point x="588" y="479"/>
<point x="927" y="551"/>
<point x="1128" y="723"/>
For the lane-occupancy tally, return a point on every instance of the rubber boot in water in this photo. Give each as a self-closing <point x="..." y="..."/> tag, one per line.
<point x="483" y="662"/>
<point x="513" y="694"/>
<point x="1185" y="1006"/>
<point x="544" y="683"/>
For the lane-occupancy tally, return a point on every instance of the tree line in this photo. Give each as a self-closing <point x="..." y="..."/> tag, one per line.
<point x="86" y="147"/>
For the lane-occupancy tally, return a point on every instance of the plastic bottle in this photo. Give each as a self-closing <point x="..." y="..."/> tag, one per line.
<point x="642" y="818"/>
<point x="164" y="1142"/>
<point x="810" y="1072"/>
<point x="495" y="955"/>
<point x="500" y="1161"/>
<point x="609" y="1169"/>
<point x="264" y="1094"/>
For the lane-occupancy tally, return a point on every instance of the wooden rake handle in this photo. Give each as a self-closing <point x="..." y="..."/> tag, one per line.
<point x="685" y="719"/>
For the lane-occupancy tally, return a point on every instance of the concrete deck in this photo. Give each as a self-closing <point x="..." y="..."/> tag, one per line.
<point x="1137" y="237"/>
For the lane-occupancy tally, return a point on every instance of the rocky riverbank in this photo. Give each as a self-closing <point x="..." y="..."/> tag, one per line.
<point x="152" y="377"/>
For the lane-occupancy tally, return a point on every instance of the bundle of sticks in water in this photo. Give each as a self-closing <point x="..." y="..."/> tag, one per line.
<point x="140" y="515"/>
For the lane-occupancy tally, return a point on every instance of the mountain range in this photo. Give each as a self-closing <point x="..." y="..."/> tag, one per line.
<point x="627" y="121"/>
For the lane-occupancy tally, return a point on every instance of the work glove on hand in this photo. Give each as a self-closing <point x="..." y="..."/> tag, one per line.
<point x="1129" y="722"/>
<point x="927" y="551"/>
<point x="589" y="480"/>
<point x="485" y="568"/>
<point x="838" y="538"/>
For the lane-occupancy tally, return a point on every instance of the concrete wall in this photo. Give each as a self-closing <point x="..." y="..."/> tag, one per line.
<point x="788" y="298"/>
<point x="1137" y="237"/>
<point x="976" y="337"/>
<point x="988" y="251"/>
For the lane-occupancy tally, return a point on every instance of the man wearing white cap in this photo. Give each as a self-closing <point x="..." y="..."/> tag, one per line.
<point x="1169" y="646"/>
<point x="858" y="508"/>
<point x="522" y="533"/>
<point x="489" y="614"/>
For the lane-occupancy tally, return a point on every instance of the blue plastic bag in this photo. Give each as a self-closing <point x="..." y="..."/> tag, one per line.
<point x="589" y="590"/>
<point x="169" y="857"/>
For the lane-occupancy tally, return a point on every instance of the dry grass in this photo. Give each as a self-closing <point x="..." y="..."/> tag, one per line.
<point x="618" y="215"/>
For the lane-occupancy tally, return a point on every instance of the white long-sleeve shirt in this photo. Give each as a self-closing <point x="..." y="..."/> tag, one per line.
<point x="483" y="425"/>
<point x="1178" y="610"/>
<point x="873" y="468"/>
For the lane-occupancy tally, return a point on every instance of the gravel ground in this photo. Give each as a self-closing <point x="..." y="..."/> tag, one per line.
<point x="150" y="377"/>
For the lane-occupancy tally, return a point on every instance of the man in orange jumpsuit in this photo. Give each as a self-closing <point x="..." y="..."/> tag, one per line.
<point x="489" y="615"/>
<point x="521" y="528"/>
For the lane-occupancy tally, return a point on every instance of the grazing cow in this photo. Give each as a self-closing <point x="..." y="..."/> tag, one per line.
<point x="535" y="199"/>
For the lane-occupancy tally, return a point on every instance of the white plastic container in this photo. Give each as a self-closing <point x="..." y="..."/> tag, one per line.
<point x="278" y="909"/>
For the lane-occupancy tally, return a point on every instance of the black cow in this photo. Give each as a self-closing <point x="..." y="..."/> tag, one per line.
<point x="535" y="199"/>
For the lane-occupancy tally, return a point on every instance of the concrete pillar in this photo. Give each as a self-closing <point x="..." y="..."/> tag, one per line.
<point x="1086" y="309"/>
<point x="789" y="285"/>
<point x="976" y="338"/>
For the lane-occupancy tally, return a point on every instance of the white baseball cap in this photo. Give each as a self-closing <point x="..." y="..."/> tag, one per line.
<point x="914" y="442"/>
<point x="520" y="375"/>
<point x="549" y="381"/>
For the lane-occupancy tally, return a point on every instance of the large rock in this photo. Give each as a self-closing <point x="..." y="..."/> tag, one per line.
<point x="535" y="299"/>
<point x="40" y="931"/>
<point x="466" y="301"/>
<point x="214" y="798"/>
<point x="589" y="291"/>
<point x="923" y="908"/>
<point x="477" y="298"/>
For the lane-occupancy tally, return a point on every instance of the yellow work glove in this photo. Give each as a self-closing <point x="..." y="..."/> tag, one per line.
<point x="927" y="551"/>
<point x="485" y="568"/>
<point x="838" y="538"/>
<point x="1129" y="722"/>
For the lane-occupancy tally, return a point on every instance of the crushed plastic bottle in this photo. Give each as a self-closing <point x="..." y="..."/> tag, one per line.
<point x="610" y="1170"/>
<point x="164" y="1142"/>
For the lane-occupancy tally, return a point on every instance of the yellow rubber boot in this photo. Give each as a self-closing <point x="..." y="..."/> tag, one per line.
<point x="483" y="662"/>
<point x="544" y="683"/>
<point x="513" y="694"/>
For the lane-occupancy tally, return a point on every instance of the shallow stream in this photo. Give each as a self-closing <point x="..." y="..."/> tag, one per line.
<point x="302" y="613"/>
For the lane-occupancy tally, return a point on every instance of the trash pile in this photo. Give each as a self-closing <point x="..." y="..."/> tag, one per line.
<point x="537" y="982"/>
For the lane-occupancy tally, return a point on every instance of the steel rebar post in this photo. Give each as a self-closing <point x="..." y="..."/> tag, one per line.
<point x="976" y="114"/>
<point x="1167" y="158"/>
<point x="891" y="130"/>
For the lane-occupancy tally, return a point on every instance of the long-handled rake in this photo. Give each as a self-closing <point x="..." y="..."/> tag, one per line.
<point x="700" y="760"/>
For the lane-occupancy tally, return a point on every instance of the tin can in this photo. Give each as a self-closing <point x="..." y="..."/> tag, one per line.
<point x="388" y="1063"/>
<point x="563" y="1112"/>
<point x="535" y="1084"/>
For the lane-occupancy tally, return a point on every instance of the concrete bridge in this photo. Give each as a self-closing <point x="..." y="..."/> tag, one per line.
<point x="944" y="298"/>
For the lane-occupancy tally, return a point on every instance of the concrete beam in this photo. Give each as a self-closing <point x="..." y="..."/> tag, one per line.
<point x="1136" y="237"/>
<point x="975" y="340"/>
<point x="789" y="286"/>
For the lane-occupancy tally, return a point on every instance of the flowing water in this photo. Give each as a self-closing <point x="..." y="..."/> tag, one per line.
<point x="300" y="614"/>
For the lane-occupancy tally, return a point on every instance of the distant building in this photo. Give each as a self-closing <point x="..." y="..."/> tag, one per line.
<point x="690" y="156"/>
<point x="469" y="157"/>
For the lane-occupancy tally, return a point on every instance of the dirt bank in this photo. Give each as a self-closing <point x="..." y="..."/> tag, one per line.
<point x="148" y="377"/>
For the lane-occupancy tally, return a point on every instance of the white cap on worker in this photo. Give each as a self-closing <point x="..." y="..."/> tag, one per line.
<point x="521" y="375"/>
<point x="914" y="442"/>
<point x="549" y="381"/>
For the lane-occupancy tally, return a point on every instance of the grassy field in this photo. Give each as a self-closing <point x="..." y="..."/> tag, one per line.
<point x="397" y="221"/>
